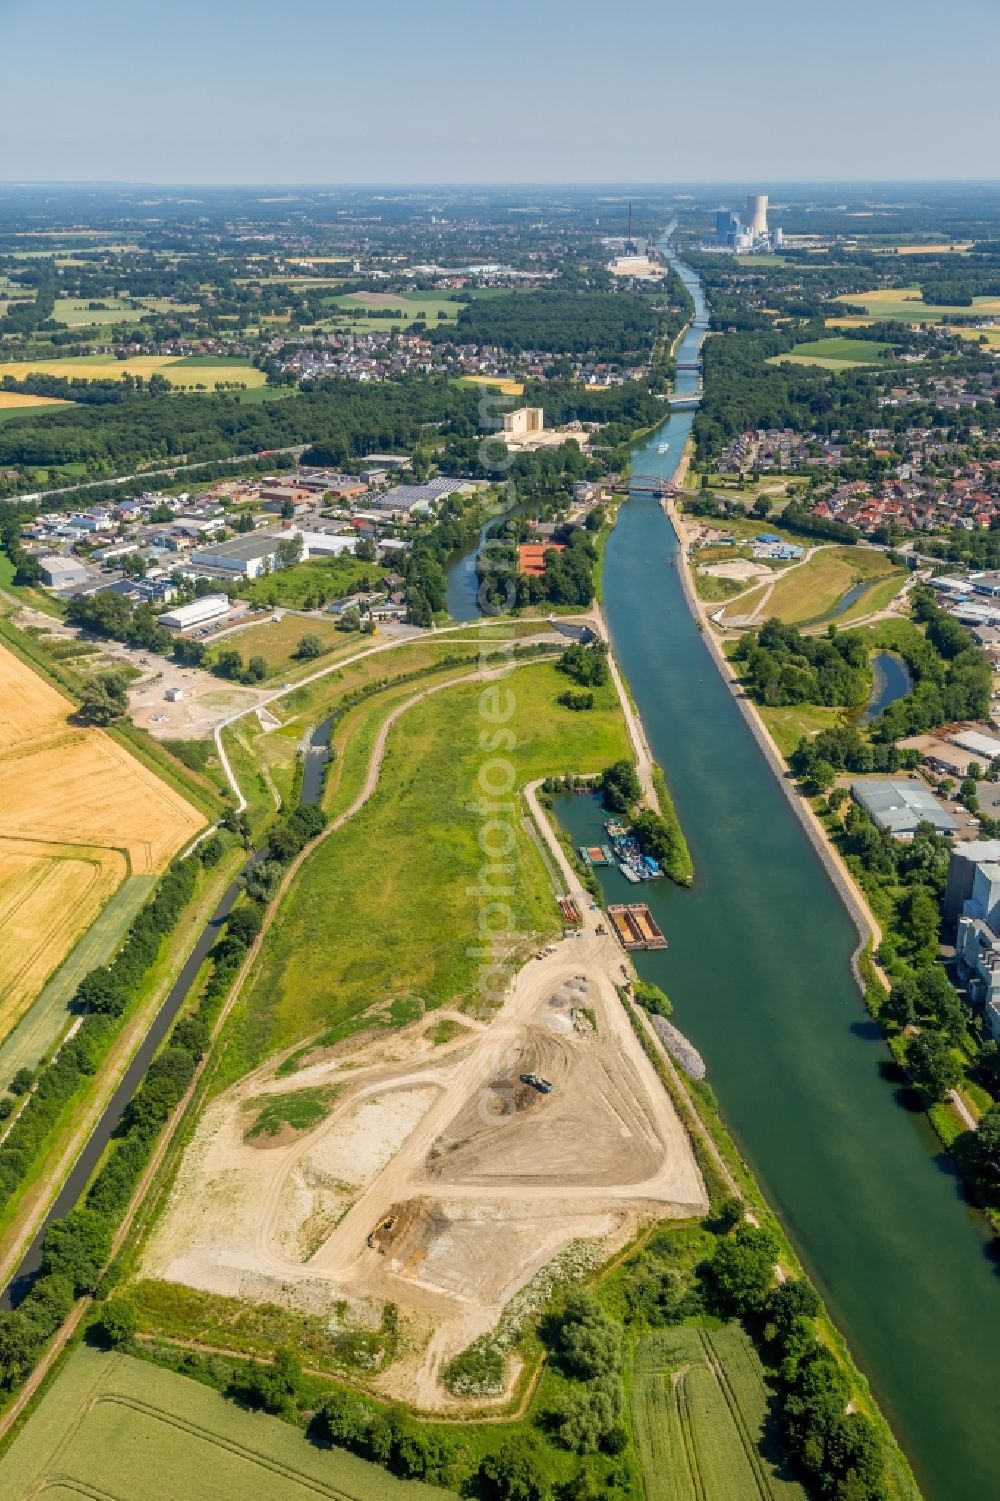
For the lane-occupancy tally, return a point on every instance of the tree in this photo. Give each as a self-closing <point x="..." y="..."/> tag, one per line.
<point x="256" y="669"/>
<point x="228" y="664"/>
<point x="103" y="698"/>
<point x="586" y="1343"/>
<point x="900" y="1005"/>
<point x="99" y="992"/>
<point x="118" y="1323"/>
<point x="290" y="552"/>
<point x="740" y="1274"/>
<point x="365" y="552"/>
<point x="620" y="787"/>
<point x="19" y="1346"/>
<point x="350" y="619"/>
<point x="516" y="1472"/>
<point x="77" y="1247"/>
<point x="933" y="1066"/>
<point x="310" y="647"/>
<point x="987" y="1142"/>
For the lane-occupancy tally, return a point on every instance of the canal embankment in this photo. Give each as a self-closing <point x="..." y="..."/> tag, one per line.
<point x="868" y="928"/>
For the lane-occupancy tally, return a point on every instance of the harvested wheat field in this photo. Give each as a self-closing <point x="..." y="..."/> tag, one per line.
<point x="78" y="815"/>
<point x="15" y="400"/>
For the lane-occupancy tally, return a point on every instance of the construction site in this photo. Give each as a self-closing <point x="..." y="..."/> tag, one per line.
<point x="448" y="1169"/>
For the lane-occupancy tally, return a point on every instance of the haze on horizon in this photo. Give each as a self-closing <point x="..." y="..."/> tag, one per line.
<point x="319" y="91"/>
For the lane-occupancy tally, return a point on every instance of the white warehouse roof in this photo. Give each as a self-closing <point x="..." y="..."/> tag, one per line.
<point x="209" y="607"/>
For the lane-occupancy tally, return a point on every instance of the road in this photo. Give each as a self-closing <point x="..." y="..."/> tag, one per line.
<point x="144" y="474"/>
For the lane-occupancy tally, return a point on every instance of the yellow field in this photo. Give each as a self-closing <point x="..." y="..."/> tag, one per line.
<point x="172" y="370"/>
<point x="78" y="814"/>
<point x="16" y="399"/>
<point x="507" y="387"/>
<point x="49" y="895"/>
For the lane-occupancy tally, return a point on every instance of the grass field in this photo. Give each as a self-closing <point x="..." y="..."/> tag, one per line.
<point x="277" y="640"/>
<point x="699" y="1408"/>
<point x="834" y="353"/>
<point x="112" y="1426"/>
<point x="305" y="583"/>
<point x="906" y="305"/>
<point x="76" y="314"/>
<point x="184" y="374"/>
<point x="430" y="306"/>
<point x="812" y="591"/>
<point x="387" y="906"/>
<point x="78" y="814"/>
<point x="790" y="723"/>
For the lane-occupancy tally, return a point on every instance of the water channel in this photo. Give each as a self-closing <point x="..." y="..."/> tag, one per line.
<point x="758" y="971"/>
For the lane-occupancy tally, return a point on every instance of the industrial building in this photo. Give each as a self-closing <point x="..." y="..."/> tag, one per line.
<point x="198" y="612"/>
<point x="327" y="544"/>
<point x="965" y="856"/>
<point x="757" y="215"/>
<point x="900" y="806"/>
<point x="984" y="746"/>
<point x="523" y="420"/>
<point x="62" y="573"/>
<point x="247" y="556"/>
<point x="977" y="944"/>
<point x="406" y="498"/>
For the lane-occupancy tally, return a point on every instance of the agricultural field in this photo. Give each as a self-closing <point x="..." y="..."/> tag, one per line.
<point x="327" y="959"/>
<point x="16" y="401"/>
<point x="183" y="374"/>
<point x="73" y="313"/>
<point x="410" y="306"/>
<point x="834" y="353"/>
<point x="115" y="1426"/>
<point x="699" y="1407"/>
<point x="823" y="587"/>
<point x="505" y="387"/>
<point x="79" y="815"/>
<point x="906" y="305"/>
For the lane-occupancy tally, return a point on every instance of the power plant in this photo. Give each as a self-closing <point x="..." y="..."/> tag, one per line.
<point x="757" y="215"/>
<point x="734" y="235"/>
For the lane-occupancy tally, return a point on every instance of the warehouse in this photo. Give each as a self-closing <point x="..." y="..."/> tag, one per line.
<point x="900" y="806"/>
<point x="984" y="746"/>
<point x="62" y="573"/>
<point x="248" y="556"/>
<point x="198" y="612"/>
<point x="327" y="544"/>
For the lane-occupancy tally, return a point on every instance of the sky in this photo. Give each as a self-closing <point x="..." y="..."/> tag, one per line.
<point x="458" y="91"/>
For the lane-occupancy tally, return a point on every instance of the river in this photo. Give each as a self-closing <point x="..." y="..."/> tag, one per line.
<point x="758" y="970"/>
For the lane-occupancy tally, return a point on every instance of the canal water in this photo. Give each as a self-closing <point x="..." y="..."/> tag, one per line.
<point x="892" y="681"/>
<point x="758" y="970"/>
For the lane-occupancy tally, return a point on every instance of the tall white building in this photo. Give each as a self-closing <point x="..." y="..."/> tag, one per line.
<point x="757" y="215"/>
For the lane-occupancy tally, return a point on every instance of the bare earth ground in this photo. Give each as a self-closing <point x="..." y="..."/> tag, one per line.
<point x="439" y="1179"/>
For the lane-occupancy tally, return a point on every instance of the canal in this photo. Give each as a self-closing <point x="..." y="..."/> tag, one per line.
<point x="758" y="971"/>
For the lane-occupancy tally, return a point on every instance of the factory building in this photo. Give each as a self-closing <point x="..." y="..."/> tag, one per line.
<point x="900" y="806"/>
<point x="247" y="556"/>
